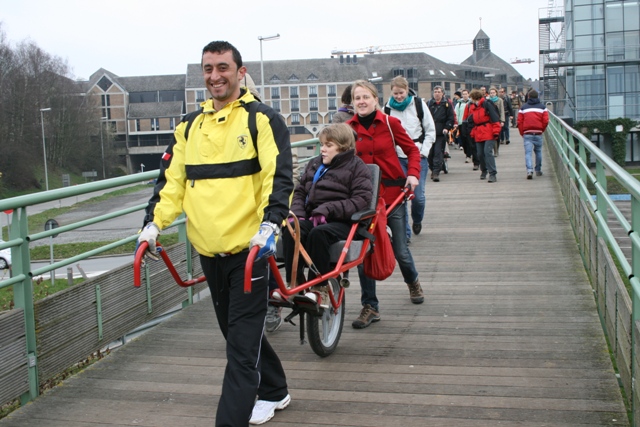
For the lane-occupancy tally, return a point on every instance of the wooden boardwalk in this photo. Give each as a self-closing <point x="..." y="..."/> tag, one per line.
<point x="508" y="335"/>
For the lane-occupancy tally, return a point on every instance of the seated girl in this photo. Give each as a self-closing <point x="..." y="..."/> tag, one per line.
<point x="335" y="185"/>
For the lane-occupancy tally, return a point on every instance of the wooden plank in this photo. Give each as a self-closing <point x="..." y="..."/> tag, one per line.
<point x="11" y="325"/>
<point x="14" y="383"/>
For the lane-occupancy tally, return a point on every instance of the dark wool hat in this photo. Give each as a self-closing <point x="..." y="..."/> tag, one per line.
<point x="458" y="93"/>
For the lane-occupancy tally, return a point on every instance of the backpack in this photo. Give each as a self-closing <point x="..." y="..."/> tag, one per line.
<point x="252" y="109"/>
<point x="420" y="112"/>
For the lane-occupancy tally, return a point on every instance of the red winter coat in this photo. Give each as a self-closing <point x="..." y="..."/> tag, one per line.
<point x="533" y="117"/>
<point x="375" y="146"/>
<point x="485" y="127"/>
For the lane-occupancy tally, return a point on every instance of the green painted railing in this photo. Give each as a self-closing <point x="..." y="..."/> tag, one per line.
<point x="19" y="240"/>
<point x="589" y="167"/>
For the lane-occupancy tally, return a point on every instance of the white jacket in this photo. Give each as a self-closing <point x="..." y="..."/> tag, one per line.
<point x="411" y="123"/>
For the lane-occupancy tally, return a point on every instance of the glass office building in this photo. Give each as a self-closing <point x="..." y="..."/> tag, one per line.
<point x="590" y="58"/>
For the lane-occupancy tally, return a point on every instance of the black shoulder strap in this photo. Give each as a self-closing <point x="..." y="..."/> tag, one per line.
<point x="252" y="109"/>
<point x="420" y="112"/>
<point x="418" y="103"/>
<point x="189" y="118"/>
<point x="387" y="110"/>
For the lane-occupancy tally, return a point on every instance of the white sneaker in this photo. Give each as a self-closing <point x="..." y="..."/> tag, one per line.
<point x="325" y="301"/>
<point x="264" y="410"/>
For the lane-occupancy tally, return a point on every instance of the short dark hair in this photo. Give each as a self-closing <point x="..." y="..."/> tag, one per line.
<point x="222" y="47"/>
<point x="533" y="93"/>
<point x="346" y="96"/>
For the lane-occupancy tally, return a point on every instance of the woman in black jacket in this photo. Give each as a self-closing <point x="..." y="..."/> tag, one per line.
<point x="335" y="185"/>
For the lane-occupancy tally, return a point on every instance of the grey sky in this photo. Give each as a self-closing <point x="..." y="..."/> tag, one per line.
<point x="141" y="37"/>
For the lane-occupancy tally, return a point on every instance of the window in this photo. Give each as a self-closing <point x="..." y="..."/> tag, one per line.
<point x="398" y="72"/>
<point x="294" y="92"/>
<point x="313" y="104"/>
<point x="414" y="86"/>
<point x="106" y="100"/>
<point x="332" y="104"/>
<point x="314" y="118"/>
<point x="172" y="123"/>
<point x="331" y="117"/>
<point x="155" y="124"/>
<point x="331" y="90"/>
<point x="295" y="105"/>
<point x="274" y="79"/>
<point x="294" y="78"/>
<point x="313" y="90"/>
<point x="312" y="77"/>
<point x="412" y="73"/>
<point x="447" y="86"/>
<point x="199" y="96"/>
<point x="295" y="119"/>
<point x="275" y="105"/>
<point x="137" y="125"/>
<point x="275" y="92"/>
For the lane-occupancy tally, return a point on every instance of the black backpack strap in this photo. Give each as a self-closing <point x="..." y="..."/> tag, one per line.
<point x="387" y="110"/>
<point x="189" y="118"/>
<point x="420" y="111"/>
<point x="252" y="109"/>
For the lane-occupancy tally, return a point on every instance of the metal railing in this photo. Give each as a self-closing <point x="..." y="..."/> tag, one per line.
<point x="20" y="239"/>
<point x="582" y="168"/>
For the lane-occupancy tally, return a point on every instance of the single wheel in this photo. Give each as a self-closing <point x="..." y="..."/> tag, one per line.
<point x="324" y="331"/>
<point x="3" y="264"/>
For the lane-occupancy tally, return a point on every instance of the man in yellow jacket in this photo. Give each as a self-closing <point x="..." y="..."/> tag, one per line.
<point x="235" y="192"/>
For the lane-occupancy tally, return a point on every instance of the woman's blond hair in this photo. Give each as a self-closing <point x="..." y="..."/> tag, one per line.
<point x="365" y="85"/>
<point x="400" y="82"/>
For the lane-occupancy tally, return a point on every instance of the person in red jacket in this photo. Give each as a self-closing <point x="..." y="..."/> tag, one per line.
<point x="533" y="119"/>
<point x="482" y="116"/>
<point x="377" y="137"/>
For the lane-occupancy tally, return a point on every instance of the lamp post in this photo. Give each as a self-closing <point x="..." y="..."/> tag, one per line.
<point x="44" y="148"/>
<point x="266" y="39"/>
<point x="104" y="174"/>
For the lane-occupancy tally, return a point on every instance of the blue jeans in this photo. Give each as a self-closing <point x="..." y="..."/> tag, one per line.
<point x="533" y="143"/>
<point x="397" y="223"/>
<point x="420" y="200"/>
<point x="504" y="132"/>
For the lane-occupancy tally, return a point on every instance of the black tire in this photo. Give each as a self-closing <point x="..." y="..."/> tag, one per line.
<point x="3" y="264"/>
<point x="324" y="331"/>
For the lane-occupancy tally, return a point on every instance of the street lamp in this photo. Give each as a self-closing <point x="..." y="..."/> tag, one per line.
<point x="44" y="148"/>
<point x="104" y="174"/>
<point x="266" y="39"/>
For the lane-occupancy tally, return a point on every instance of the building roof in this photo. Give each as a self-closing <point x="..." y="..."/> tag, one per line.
<point x="492" y="61"/>
<point x="153" y="83"/>
<point x="148" y="110"/>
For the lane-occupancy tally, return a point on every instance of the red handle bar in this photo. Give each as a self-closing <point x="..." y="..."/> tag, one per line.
<point x="137" y="262"/>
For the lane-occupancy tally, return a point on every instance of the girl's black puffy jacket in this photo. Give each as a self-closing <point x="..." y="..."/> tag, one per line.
<point x="344" y="189"/>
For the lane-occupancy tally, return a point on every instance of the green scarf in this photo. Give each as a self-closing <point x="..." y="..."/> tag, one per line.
<point x="400" y="106"/>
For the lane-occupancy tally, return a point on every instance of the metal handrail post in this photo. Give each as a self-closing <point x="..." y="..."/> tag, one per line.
<point x="23" y="298"/>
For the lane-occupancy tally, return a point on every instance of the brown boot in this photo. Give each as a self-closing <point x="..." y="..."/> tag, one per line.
<point x="415" y="292"/>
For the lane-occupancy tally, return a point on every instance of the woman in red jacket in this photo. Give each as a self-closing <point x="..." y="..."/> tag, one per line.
<point x="483" y="116"/>
<point x="377" y="137"/>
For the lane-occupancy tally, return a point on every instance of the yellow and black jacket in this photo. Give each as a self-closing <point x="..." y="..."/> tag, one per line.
<point x="226" y="184"/>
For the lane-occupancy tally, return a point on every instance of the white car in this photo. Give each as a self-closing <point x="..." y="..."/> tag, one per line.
<point x="5" y="258"/>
